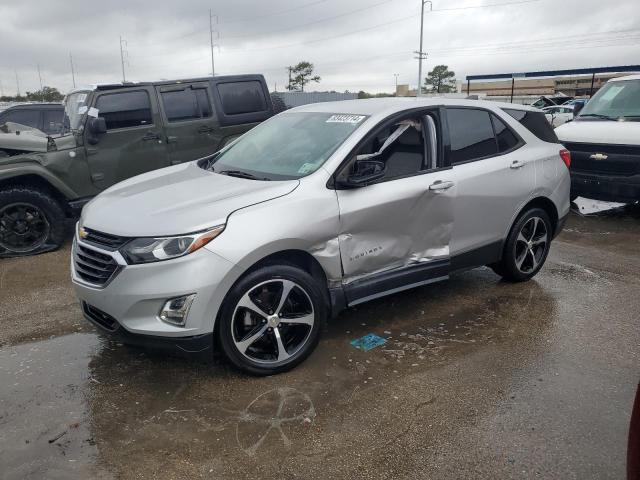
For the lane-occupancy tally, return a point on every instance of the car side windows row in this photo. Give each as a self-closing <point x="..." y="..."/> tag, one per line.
<point x="475" y="134"/>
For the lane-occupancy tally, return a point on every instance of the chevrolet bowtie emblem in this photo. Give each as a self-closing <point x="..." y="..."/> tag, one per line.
<point x="82" y="233"/>
<point x="599" y="156"/>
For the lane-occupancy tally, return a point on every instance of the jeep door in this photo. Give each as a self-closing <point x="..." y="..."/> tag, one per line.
<point x="395" y="233"/>
<point x="133" y="143"/>
<point x="191" y="129"/>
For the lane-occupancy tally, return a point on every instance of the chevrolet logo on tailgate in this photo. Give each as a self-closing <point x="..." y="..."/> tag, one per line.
<point x="599" y="156"/>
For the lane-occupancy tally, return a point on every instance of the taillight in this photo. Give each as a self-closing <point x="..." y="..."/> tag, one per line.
<point x="565" y="155"/>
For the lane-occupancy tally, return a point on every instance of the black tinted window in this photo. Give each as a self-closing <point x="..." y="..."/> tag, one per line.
<point x="29" y="118"/>
<point x="242" y="97"/>
<point x="186" y="104"/>
<point x="507" y="140"/>
<point x="536" y="123"/>
<point x="53" y="121"/>
<point x="471" y="134"/>
<point x="123" y="110"/>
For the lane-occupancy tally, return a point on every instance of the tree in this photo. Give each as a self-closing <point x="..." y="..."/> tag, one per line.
<point x="47" y="94"/>
<point x="440" y="80"/>
<point x="301" y="75"/>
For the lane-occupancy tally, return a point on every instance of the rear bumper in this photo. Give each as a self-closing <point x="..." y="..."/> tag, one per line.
<point x="188" y="345"/>
<point x="609" y="188"/>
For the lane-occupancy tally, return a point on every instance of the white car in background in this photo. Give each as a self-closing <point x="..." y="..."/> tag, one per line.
<point x="559" y="114"/>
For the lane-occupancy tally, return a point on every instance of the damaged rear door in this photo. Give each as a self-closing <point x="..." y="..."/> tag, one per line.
<point x="395" y="232"/>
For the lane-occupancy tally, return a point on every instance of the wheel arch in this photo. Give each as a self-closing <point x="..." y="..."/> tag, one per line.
<point x="34" y="180"/>
<point x="294" y="257"/>
<point x="545" y="204"/>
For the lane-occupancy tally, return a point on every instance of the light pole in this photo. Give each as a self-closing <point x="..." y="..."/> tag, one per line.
<point x="396" y="92"/>
<point x="421" y="54"/>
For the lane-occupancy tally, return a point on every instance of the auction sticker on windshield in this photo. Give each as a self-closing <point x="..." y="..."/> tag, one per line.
<point x="345" y="118"/>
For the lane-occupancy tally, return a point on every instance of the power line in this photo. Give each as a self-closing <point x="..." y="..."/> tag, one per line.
<point x="320" y="20"/>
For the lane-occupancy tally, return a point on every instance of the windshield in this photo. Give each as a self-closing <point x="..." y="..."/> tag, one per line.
<point x="75" y="107"/>
<point x="616" y="100"/>
<point x="289" y="146"/>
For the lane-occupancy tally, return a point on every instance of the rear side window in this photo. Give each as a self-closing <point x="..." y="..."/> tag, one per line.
<point x="186" y="104"/>
<point x="471" y="134"/>
<point x="124" y="110"/>
<point x="507" y="140"/>
<point x="29" y="118"/>
<point x="536" y="123"/>
<point x="242" y="97"/>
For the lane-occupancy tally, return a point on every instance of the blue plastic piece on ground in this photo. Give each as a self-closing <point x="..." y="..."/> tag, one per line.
<point x="368" y="342"/>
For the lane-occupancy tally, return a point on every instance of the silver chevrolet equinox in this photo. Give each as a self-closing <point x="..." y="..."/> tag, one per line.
<point x="319" y="208"/>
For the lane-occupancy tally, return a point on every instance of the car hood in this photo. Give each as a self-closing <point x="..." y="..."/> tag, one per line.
<point x="600" y="132"/>
<point x="176" y="200"/>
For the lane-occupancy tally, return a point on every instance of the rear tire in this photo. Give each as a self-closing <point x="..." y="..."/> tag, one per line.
<point x="263" y="334"/>
<point x="526" y="248"/>
<point x="31" y="221"/>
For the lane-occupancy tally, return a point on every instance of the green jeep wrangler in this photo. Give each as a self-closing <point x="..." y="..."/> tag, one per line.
<point x="111" y="133"/>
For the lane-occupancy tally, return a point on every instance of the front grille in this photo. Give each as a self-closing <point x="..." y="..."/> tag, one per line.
<point x="94" y="267"/>
<point x="102" y="319"/>
<point x="104" y="240"/>
<point x="621" y="160"/>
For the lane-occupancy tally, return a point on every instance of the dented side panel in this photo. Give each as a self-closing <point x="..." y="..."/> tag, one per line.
<point x="394" y="224"/>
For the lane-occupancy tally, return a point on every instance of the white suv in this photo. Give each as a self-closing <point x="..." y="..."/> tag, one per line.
<point x="319" y="208"/>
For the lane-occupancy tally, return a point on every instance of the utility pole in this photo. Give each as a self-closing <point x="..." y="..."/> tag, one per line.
<point x="211" y="32"/>
<point x="396" y="91"/>
<point x="40" y="78"/>
<point x="17" y="82"/>
<point x="73" y="75"/>
<point x="122" y="52"/>
<point x="421" y="54"/>
<point x="290" y="68"/>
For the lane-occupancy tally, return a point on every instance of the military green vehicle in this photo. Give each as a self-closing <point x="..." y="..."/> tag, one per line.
<point x="111" y="133"/>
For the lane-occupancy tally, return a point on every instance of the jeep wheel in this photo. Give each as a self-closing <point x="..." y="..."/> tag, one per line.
<point x="526" y="248"/>
<point x="271" y="319"/>
<point x="31" y="222"/>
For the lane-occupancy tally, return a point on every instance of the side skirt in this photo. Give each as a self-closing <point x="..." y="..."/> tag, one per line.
<point x="394" y="281"/>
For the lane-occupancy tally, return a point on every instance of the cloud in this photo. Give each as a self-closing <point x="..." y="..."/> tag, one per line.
<point x="355" y="45"/>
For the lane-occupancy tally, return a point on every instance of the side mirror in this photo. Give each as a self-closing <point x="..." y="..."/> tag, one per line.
<point x="96" y="127"/>
<point x="577" y="108"/>
<point x="364" y="172"/>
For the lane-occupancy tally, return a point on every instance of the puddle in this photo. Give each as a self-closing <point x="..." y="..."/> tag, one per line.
<point x="44" y="431"/>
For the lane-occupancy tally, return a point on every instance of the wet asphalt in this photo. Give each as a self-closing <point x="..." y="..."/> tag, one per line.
<point x="478" y="379"/>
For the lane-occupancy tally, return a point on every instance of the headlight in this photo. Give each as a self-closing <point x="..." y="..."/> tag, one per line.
<point x="147" y="250"/>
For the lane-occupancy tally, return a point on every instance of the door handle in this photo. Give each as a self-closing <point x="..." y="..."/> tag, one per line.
<point x="172" y="139"/>
<point x="150" y="136"/>
<point x="205" y="129"/>
<point x="439" y="186"/>
<point x="516" y="164"/>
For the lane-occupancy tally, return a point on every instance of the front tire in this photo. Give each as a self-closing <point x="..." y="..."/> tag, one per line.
<point x="271" y="320"/>
<point x="526" y="248"/>
<point x="31" y="221"/>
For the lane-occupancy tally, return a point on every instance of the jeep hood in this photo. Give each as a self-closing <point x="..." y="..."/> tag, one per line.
<point x="176" y="200"/>
<point x="600" y="132"/>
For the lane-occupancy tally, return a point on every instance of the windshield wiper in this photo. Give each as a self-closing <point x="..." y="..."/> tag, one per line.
<point x="241" y="174"/>
<point x="598" y="115"/>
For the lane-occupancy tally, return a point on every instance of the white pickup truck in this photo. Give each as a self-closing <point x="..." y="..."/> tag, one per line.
<point x="604" y="141"/>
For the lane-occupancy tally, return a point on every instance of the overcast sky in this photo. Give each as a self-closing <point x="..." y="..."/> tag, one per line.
<point x="354" y="44"/>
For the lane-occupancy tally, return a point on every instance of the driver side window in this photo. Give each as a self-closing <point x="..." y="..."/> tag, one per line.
<point x="402" y="147"/>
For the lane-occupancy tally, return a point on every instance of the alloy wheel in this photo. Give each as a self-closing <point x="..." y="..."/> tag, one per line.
<point x="23" y="227"/>
<point x="531" y="245"/>
<point x="272" y="321"/>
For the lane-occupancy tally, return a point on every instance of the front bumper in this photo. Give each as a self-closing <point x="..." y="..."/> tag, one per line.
<point x="609" y="188"/>
<point x="135" y="295"/>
